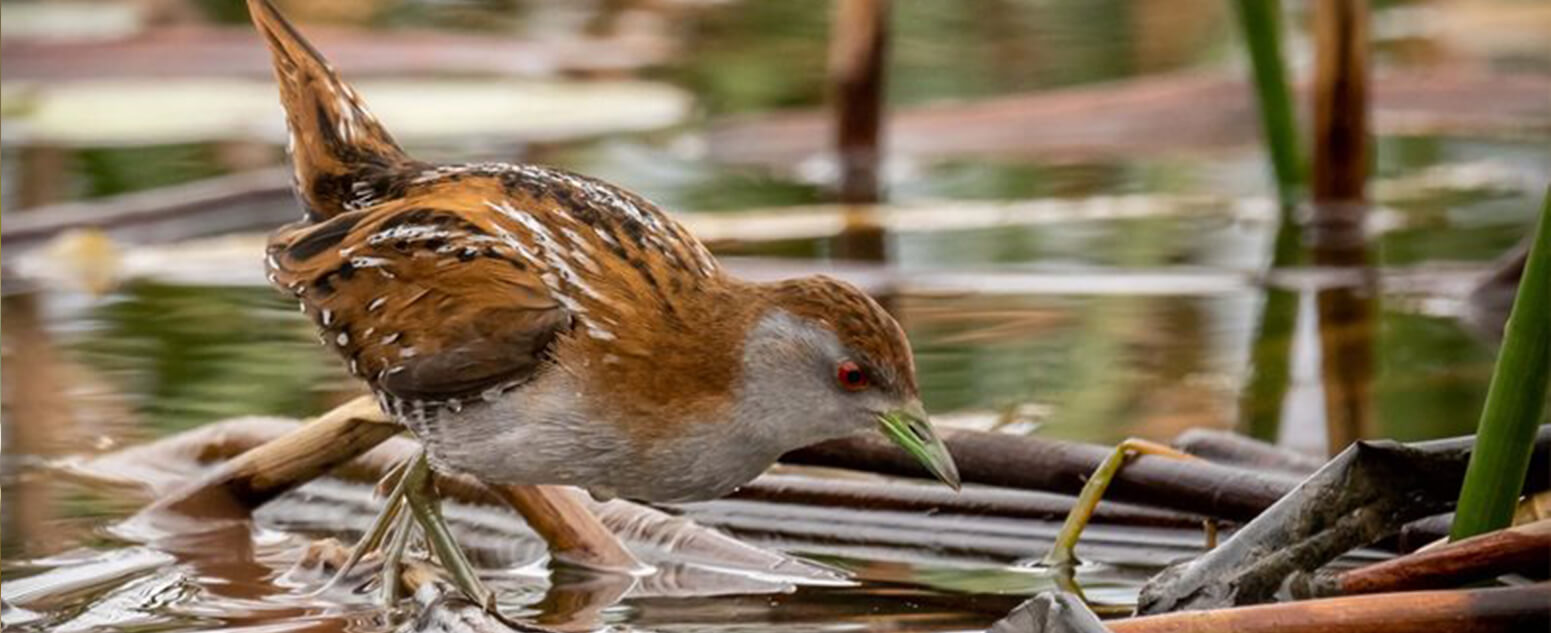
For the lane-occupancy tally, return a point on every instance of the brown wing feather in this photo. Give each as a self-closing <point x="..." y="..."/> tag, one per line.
<point x="422" y="296"/>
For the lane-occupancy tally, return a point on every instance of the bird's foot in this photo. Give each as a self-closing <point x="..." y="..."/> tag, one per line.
<point x="1062" y="552"/>
<point x="410" y="486"/>
<point x="425" y="507"/>
<point x="388" y="520"/>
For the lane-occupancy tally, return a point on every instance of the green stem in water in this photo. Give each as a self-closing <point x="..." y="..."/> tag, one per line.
<point x="1261" y="22"/>
<point x="1063" y="551"/>
<point x="1515" y="402"/>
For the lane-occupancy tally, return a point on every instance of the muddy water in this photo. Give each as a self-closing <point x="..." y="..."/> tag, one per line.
<point x="1092" y="324"/>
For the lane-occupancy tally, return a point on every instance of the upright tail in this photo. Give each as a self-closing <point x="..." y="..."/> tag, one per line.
<point x="341" y="155"/>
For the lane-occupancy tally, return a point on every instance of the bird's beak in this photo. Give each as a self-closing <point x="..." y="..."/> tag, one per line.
<point x="909" y="428"/>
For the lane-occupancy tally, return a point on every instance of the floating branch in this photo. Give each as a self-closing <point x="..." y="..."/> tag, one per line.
<point x="345" y="433"/>
<point x="1522" y="549"/>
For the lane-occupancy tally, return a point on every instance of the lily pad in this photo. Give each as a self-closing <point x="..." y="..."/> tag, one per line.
<point x="142" y="111"/>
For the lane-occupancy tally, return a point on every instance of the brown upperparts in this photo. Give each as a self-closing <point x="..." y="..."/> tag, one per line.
<point x="442" y="287"/>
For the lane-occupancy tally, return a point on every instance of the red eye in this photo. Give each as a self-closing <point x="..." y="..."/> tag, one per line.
<point x="851" y="377"/>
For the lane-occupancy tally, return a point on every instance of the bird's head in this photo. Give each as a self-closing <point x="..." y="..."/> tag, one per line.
<point x="823" y="360"/>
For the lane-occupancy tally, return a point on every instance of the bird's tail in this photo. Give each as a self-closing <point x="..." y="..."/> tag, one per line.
<point x="338" y="149"/>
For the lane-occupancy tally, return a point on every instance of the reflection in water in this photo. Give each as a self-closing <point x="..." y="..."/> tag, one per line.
<point x="35" y="413"/>
<point x="1270" y="367"/>
<point x="1348" y="320"/>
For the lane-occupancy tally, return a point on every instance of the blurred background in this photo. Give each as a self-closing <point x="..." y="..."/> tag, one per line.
<point x="1076" y="221"/>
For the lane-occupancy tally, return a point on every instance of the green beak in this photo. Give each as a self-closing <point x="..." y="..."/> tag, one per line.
<point x="909" y="428"/>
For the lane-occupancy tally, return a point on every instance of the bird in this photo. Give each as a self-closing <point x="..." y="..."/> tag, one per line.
<point x="530" y="325"/>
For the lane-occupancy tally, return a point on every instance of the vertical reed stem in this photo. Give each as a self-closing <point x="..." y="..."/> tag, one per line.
<point x="1340" y="100"/>
<point x="858" y="50"/>
<point x="1516" y="401"/>
<point x="1261" y="22"/>
<point x="1348" y="308"/>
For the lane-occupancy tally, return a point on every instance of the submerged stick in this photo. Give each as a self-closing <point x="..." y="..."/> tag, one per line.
<point x="1348" y="314"/>
<point x="1526" y="548"/>
<point x="1364" y="494"/>
<point x="977" y="501"/>
<point x="268" y="471"/>
<point x="575" y="535"/>
<point x="570" y="524"/>
<point x="258" y="475"/>
<point x="1500" y="610"/>
<point x="1340" y="100"/>
<point x="1226" y="447"/>
<point x="1032" y="463"/>
<point x="857" y="54"/>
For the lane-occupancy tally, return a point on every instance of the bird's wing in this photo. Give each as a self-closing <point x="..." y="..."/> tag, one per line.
<point x="416" y="289"/>
<point x="428" y="297"/>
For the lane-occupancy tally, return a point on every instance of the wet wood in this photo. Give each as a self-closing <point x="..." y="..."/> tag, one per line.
<point x="1341" y="153"/>
<point x="566" y="519"/>
<point x="279" y="465"/>
<point x="1502" y="610"/>
<point x="1522" y="549"/>
<point x="245" y="201"/>
<point x="204" y="51"/>
<point x="1365" y="494"/>
<point x="857" y="55"/>
<point x="1032" y="463"/>
<point x="274" y="468"/>
<point x="573" y="532"/>
<point x="1348" y="315"/>
<point x="263" y="199"/>
<point x="1231" y="448"/>
<point x="44" y="177"/>
<point x="1148" y="116"/>
<point x="977" y="501"/>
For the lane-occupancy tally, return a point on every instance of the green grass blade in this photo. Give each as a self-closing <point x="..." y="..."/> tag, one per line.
<point x="1261" y="22"/>
<point x="1516" y="401"/>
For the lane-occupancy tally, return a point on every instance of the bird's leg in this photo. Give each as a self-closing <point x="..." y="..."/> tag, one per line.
<point x="379" y="528"/>
<point x="388" y="578"/>
<point x="426" y="508"/>
<point x="1062" y="552"/>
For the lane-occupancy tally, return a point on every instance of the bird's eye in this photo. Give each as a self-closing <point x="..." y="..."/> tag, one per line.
<point x="851" y="376"/>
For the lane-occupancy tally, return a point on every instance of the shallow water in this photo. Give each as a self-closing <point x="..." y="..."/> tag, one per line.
<point x="1102" y="321"/>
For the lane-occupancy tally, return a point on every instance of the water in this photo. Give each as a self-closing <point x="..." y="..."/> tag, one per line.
<point x="1127" y="308"/>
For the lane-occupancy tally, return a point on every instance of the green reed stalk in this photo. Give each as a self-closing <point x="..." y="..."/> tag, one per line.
<point x="1261" y="23"/>
<point x="1260" y="405"/>
<point x="1516" y="401"/>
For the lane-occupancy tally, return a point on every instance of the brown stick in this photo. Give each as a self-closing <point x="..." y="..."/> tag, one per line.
<point x="858" y="48"/>
<point x="1227" y="447"/>
<point x="882" y="495"/>
<point x="574" y="533"/>
<point x="1340" y="100"/>
<point x="1031" y="463"/>
<point x="1518" y="549"/>
<point x="268" y="471"/>
<point x="1347" y="313"/>
<point x="1501" y="610"/>
<point x="246" y="200"/>
<point x="258" y="475"/>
